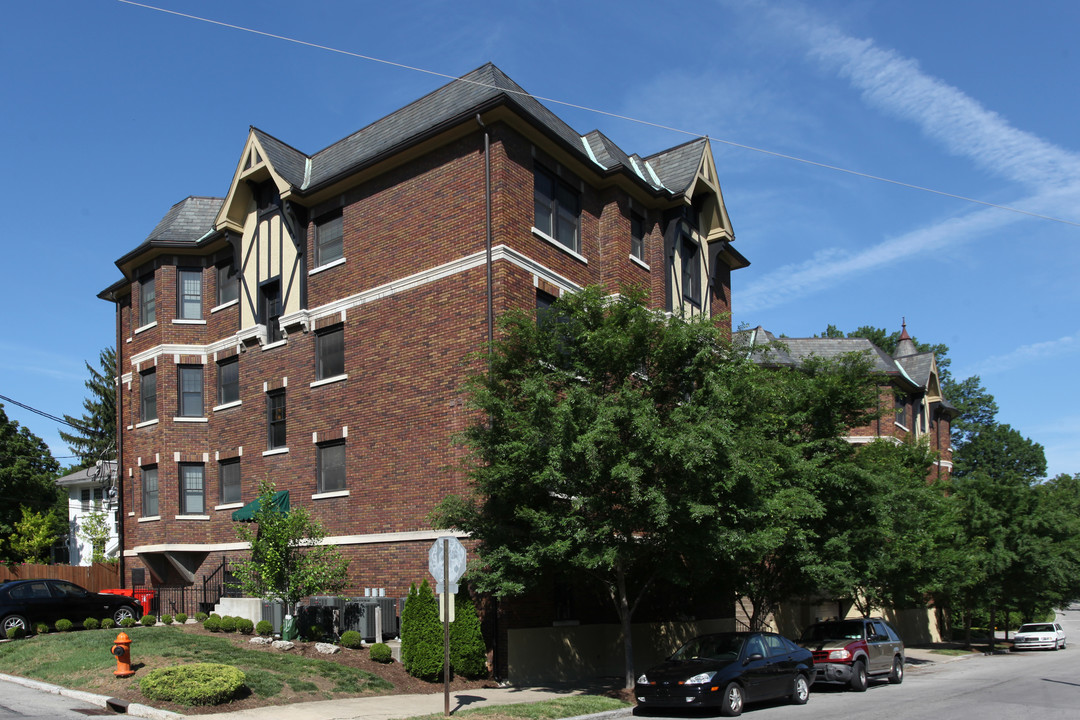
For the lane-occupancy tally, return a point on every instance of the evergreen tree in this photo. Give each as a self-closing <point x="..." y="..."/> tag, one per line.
<point x="468" y="653"/>
<point x="422" y="634"/>
<point x="93" y="436"/>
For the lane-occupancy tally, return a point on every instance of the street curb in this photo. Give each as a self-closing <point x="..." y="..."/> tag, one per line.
<point x="135" y="709"/>
<point x="605" y="715"/>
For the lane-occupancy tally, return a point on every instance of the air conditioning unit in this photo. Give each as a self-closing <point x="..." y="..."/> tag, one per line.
<point x="359" y="615"/>
<point x="275" y="613"/>
<point x="330" y="601"/>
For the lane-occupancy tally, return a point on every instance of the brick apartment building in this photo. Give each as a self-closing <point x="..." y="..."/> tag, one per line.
<point x="310" y="327"/>
<point x="910" y="389"/>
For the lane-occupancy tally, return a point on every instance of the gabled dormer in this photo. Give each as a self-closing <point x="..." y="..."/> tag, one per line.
<point x="267" y="230"/>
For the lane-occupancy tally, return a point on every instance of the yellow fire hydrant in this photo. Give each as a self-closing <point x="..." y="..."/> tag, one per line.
<point x="122" y="650"/>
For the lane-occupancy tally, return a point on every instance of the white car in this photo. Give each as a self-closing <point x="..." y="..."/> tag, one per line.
<point x="1039" y="636"/>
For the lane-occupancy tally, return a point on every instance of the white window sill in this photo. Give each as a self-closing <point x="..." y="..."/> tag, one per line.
<point x="146" y="423"/>
<point x="276" y="451"/>
<point x="191" y="517"/>
<point x="226" y="406"/>
<point x="229" y="506"/>
<point x="331" y="494"/>
<point x="328" y="381"/>
<point x="279" y="343"/>
<point x="190" y="419"/>
<point x="902" y="427"/>
<point x="131" y="514"/>
<point x="130" y="427"/>
<point x="222" y="306"/>
<point x="146" y="327"/>
<point x="151" y="518"/>
<point x="183" y="321"/>
<point x="638" y="261"/>
<point x="327" y="266"/>
<point x="572" y="253"/>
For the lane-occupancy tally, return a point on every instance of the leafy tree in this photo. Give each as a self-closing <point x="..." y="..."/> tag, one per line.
<point x="27" y="471"/>
<point x="94" y="434"/>
<point x="288" y="558"/>
<point x="35" y="534"/>
<point x="976" y="406"/>
<point x="96" y="531"/>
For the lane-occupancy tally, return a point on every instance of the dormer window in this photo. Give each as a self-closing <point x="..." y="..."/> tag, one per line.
<point x="691" y="270"/>
<point x="270" y="310"/>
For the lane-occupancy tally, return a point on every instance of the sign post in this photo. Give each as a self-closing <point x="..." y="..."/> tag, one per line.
<point x="446" y="563"/>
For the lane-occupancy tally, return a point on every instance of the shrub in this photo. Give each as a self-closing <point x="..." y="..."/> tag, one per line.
<point x="41" y="628"/>
<point x="212" y="624"/>
<point x="422" y="634"/>
<point x="215" y="615"/>
<point x="198" y="684"/>
<point x="63" y="625"/>
<point x="468" y="653"/>
<point x="245" y="626"/>
<point x="14" y="633"/>
<point x="380" y="652"/>
<point x="128" y="622"/>
<point x="264" y="628"/>
<point x="200" y="616"/>
<point x="148" y="621"/>
<point x="91" y="624"/>
<point x="166" y="619"/>
<point x="228" y="624"/>
<point x="351" y="639"/>
<point x="107" y="624"/>
<point x="181" y="618"/>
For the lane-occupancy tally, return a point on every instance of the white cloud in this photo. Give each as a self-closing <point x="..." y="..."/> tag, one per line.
<point x="1028" y="354"/>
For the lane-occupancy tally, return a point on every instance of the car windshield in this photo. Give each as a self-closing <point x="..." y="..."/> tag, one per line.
<point x="840" y="630"/>
<point x="1036" y="627"/>
<point x="711" y="647"/>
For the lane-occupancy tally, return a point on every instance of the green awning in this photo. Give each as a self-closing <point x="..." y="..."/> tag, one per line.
<point x="279" y="502"/>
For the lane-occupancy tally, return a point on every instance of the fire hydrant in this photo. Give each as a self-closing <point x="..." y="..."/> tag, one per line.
<point x="122" y="650"/>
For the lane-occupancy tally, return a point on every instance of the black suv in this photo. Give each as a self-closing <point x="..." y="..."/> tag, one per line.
<point x="24" y="603"/>
<point x="852" y="651"/>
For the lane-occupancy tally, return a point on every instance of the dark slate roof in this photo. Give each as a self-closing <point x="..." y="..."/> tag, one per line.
<point x="289" y="162"/>
<point x="918" y="366"/>
<point x="187" y="221"/>
<point x="455" y="102"/>
<point x="678" y="166"/>
<point x="791" y="351"/>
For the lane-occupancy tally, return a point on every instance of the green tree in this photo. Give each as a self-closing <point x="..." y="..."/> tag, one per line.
<point x="468" y="653"/>
<point x="288" y="558"/>
<point x="27" y="472"/>
<point x="35" y="534"/>
<point x="95" y="529"/>
<point x="422" y="648"/>
<point x="94" y="435"/>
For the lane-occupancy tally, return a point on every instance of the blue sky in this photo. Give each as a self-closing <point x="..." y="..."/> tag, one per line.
<point x="112" y="112"/>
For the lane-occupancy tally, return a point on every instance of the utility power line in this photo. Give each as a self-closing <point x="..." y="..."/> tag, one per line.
<point x="606" y="113"/>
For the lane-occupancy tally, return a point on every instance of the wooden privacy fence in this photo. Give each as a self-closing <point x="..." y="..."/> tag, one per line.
<point x="92" y="577"/>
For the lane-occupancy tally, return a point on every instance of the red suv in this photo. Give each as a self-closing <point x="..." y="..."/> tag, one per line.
<point x="852" y="651"/>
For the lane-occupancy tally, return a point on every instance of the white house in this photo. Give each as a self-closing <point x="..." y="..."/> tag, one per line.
<point x="90" y="491"/>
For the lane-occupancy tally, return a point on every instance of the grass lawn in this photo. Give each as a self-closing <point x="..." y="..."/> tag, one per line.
<point x="566" y="707"/>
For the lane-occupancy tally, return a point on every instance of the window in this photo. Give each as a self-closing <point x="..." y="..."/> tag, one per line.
<point x="229" y="479"/>
<point x="331" y="467"/>
<point x="900" y="405"/>
<point x="275" y="420"/>
<point x="558" y="209"/>
<point x="228" y="284"/>
<point x="148" y="395"/>
<point x="192" y="490"/>
<point x="330" y="353"/>
<point x="637" y="236"/>
<point x="191" y="391"/>
<point x="228" y="380"/>
<point x="543" y="305"/>
<point x="85" y="499"/>
<point x="270" y="309"/>
<point x="149" y="491"/>
<point x="147" y="308"/>
<point x="691" y="270"/>
<point x="189" y="293"/>
<point x="328" y="239"/>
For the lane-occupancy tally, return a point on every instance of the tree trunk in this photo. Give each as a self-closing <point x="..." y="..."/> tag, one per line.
<point x="993" y="629"/>
<point x="623" y="603"/>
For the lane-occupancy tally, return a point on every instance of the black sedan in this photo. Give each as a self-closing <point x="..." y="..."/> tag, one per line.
<point x="728" y="670"/>
<point x="24" y="603"/>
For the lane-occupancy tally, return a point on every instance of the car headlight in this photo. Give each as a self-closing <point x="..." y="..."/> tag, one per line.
<point x="844" y="654"/>
<point x="701" y="678"/>
<point x="642" y="680"/>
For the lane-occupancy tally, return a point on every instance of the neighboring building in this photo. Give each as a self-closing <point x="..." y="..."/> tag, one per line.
<point x="91" y="491"/>
<point x="910" y="387"/>
<point x="310" y="327"/>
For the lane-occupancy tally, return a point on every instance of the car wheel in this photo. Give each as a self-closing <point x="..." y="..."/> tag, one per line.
<point x="858" y="676"/>
<point x="800" y="690"/>
<point x="897" y="675"/>
<point x="124" y="611"/>
<point x="14" y="621"/>
<point x="732" y="702"/>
